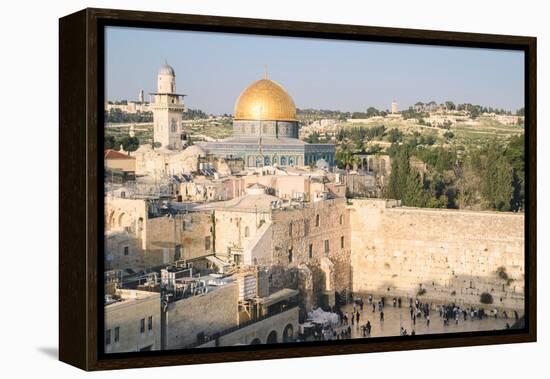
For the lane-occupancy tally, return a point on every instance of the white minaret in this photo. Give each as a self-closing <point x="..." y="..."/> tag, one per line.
<point x="167" y="110"/>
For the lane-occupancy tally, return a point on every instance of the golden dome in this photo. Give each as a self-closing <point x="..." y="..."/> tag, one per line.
<point x="265" y="100"/>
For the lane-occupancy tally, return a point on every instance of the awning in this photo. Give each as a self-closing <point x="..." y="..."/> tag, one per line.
<point x="276" y="297"/>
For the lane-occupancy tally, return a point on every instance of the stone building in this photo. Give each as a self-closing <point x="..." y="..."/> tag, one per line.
<point x="261" y="229"/>
<point x="123" y="250"/>
<point x="193" y="319"/>
<point x="132" y="321"/>
<point x="115" y="160"/>
<point x="161" y="235"/>
<point x="394" y="109"/>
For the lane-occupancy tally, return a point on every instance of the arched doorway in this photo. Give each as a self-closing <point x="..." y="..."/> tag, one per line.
<point x="111" y="220"/>
<point x="272" y="337"/>
<point x="283" y="161"/>
<point x="288" y="333"/>
<point x="124" y="221"/>
<point x="256" y="341"/>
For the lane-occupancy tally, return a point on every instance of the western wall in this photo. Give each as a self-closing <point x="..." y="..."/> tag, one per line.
<point x="437" y="255"/>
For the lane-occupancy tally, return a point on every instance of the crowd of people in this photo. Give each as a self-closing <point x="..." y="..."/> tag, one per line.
<point x="418" y="311"/>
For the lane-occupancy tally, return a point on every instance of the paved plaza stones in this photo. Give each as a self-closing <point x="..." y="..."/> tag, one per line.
<point x="395" y="318"/>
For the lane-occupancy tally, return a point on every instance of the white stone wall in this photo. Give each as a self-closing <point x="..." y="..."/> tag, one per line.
<point x="127" y="316"/>
<point x="453" y="255"/>
<point x="259" y="331"/>
<point x="236" y="229"/>
<point x="209" y="313"/>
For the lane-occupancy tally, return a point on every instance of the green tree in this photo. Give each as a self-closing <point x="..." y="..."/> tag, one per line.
<point x="496" y="186"/>
<point x="450" y="105"/>
<point x="448" y="135"/>
<point x="405" y="183"/>
<point x="372" y="111"/>
<point x="520" y="111"/>
<point x="345" y="158"/>
<point x="312" y="138"/>
<point x="109" y="142"/>
<point x="395" y="135"/>
<point x="515" y="156"/>
<point x="128" y="143"/>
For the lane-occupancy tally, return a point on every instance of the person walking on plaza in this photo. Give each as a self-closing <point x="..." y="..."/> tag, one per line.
<point x="414" y="319"/>
<point x="381" y="316"/>
<point x="428" y="321"/>
<point x="358" y="315"/>
<point x="399" y="302"/>
<point x="373" y="307"/>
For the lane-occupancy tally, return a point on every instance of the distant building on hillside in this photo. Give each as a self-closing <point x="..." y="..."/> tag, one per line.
<point x="394" y="107"/>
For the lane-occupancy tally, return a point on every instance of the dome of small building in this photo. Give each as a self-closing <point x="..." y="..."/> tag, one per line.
<point x="265" y="100"/>
<point x="195" y="150"/>
<point x="322" y="164"/>
<point x="166" y="69"/>
<point x="255" y="189"/>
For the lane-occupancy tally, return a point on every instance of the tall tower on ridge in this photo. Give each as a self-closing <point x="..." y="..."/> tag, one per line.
<point x="167" y="108"/>
<point x="394" y="107"/>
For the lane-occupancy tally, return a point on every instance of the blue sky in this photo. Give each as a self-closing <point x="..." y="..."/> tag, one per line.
<point x="213" y="68"/>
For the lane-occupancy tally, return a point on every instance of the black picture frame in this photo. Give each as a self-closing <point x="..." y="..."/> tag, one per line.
<point x="81" y="74"/>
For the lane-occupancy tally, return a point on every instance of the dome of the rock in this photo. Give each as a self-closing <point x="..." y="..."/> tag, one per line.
<point x="265" y="100"/>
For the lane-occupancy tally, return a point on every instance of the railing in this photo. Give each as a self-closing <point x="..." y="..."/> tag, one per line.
<point x="218" y="335"/>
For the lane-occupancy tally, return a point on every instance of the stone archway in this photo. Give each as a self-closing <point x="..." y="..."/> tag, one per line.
<point x="110" y="222"/>
<point x="256" y="341"/>
<point x="288" y="333"/>
<point x="271" y="337"/>
<point x="124" y="221"/>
